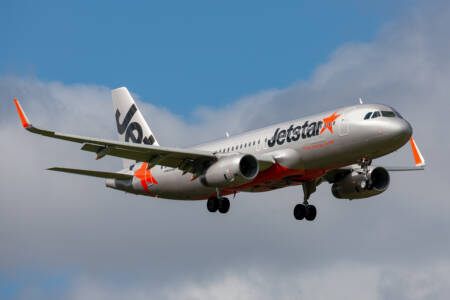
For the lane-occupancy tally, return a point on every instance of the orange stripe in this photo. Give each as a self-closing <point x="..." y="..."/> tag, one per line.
<point x="21" y="114"/>
<point x="415" y="152"/>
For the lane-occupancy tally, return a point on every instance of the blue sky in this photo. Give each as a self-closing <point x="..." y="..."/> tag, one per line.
<point x="183" y="54"/>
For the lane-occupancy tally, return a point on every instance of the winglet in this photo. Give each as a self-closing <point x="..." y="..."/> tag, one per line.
<point x="22" y="116"/>
<point x="418" y="158"/>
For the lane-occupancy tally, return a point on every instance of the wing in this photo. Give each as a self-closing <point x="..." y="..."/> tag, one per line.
<point x="395" y="169"/>
<point x="187" y="160"/>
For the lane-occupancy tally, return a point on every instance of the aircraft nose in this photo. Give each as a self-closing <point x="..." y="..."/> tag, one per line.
<point x="405" y="131"/>
<point x="400" y="130"/>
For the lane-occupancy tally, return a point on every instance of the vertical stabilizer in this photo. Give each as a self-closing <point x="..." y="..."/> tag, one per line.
<point x="131" y="125"/>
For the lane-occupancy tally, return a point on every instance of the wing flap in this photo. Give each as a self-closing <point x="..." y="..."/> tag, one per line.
<point x="92" y="173"/>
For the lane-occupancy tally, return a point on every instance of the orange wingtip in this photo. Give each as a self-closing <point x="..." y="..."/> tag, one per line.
<point x="418" y="158"/>
<point x="22" y="116"/>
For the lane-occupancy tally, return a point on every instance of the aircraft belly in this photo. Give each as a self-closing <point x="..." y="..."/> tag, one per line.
<point x="172" y="184"/>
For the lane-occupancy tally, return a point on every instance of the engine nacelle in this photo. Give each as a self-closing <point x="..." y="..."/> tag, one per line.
<point x="231" y="171"/>
<point x="356" y="186"/>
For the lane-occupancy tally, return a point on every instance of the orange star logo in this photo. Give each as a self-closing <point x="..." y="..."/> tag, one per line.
<point x="145" y="176"/>
<point x="328" y="122"/>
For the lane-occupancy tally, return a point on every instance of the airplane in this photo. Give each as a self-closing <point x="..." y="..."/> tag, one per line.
<point x="335" y="147"/>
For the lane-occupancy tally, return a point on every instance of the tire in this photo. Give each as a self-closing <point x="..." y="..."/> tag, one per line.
<point x="212" y="204"/>
<point x="311" y="213"/>
<point x="299" y="212"/>
<point x="224" y="205"/>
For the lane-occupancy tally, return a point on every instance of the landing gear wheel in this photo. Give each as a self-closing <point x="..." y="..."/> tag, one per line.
<point x="224" y="205"/>
<point x="212" y="204"/>
<point x="299" y="211"/>
<point x="311" y="213"/>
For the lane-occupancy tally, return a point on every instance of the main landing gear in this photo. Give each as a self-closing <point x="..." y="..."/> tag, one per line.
<point x="305" y="210"/>
<point x="221" y="204"/>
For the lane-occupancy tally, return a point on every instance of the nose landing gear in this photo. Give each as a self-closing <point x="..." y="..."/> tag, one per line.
<point x="364" y="164"/>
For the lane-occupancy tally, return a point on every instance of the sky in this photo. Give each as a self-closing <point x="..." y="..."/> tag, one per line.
<point x="183" y="54"/>
<point x="240" y="67"/>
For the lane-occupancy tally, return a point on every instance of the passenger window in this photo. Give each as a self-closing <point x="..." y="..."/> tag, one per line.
<point x="232" y="148"/>
<point x="388" y="114"/>
<point x="368" y="116"/>
<point x="376" y="115"/>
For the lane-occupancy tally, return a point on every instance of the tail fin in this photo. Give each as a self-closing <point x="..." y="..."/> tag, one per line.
<point x="131" y="125"/>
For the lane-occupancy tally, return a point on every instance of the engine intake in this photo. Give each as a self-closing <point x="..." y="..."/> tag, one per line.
<point x="231" y="171"/>
<point x="356" y="185"/>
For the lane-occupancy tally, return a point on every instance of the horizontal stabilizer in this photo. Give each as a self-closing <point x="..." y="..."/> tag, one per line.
<point x="93" y="173"/>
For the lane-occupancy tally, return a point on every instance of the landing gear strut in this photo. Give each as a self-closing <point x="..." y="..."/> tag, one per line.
<point x="364" y="164"/>
<point x="219" y="203"/>
<point x="306" y="210"/>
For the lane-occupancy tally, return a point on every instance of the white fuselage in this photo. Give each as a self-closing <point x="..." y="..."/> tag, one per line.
<point x="301" y="150"/>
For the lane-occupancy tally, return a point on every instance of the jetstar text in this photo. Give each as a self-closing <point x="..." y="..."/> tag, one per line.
<point x="307" y="130"/>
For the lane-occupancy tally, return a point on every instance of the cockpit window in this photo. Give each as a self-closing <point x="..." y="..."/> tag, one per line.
<point x="376" y="115"/>
<point x="368" y="116"/>
<point x="397" y="113"/>
<point x="389" y="114"/>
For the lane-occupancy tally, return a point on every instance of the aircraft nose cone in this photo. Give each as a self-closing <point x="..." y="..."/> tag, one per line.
<point x="400" y="131"/>
<point x="405" y="131"/>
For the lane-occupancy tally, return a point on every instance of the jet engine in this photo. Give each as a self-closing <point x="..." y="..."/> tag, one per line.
<point x="359" y="184"/>
<point x="231" y="171"/>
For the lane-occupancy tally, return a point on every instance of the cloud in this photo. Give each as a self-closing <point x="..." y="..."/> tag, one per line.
<point x="118" y="244"/>
<point x="337" y="281"/>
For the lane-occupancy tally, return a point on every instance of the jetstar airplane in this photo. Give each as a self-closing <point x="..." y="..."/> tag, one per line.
<point x="335" y="147"/>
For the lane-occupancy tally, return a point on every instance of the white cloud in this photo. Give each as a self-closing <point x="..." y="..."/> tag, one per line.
<point x="53" y="221"/>
<point x="343" y="280"/>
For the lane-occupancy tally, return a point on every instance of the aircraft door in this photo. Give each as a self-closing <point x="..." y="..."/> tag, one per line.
<point x="343" y="127"/>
